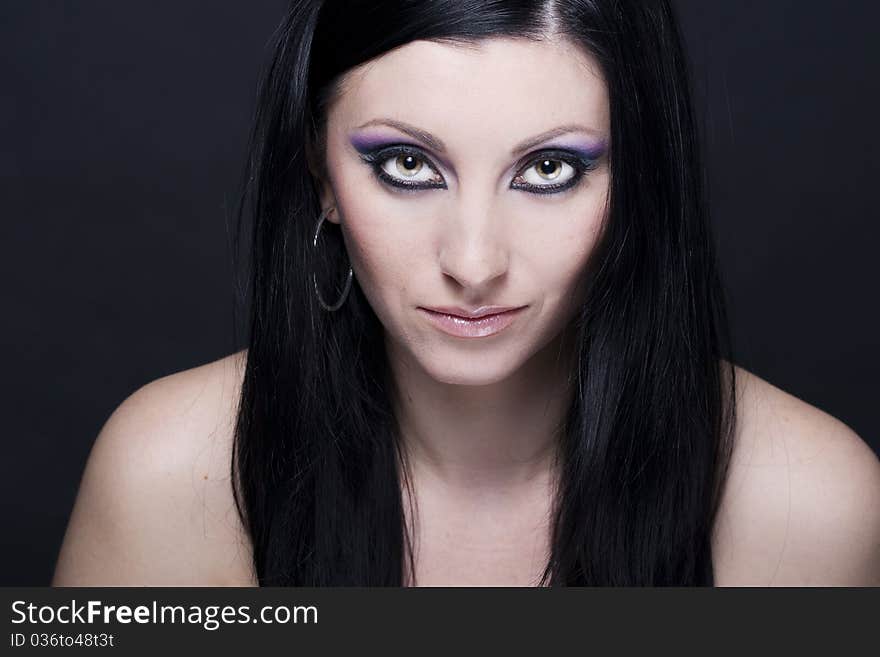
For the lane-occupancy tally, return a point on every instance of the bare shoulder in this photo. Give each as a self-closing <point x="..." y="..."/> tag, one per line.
<point x="802" y="501"/>
<point x="155" y="504"/>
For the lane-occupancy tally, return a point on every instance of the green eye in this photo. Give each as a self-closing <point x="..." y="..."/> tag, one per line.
<point x="551" y="171"/>
<point x="405" y="165"/>
<point x="406" y="168"/>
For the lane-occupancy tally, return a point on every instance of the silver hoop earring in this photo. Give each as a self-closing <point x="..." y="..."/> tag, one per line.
<point x="324" y="304"/>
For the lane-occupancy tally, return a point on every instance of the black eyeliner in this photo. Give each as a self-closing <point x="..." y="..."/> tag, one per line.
<point x="581" y="163"/>
<point x="376" y="156"/>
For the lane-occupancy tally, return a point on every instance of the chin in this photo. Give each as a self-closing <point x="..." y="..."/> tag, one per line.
<point x="465" y="369"/>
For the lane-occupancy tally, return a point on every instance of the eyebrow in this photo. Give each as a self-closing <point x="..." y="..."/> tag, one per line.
<point x="437" y="144"/>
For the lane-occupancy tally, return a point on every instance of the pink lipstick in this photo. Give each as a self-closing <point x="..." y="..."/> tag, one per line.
<point x="478" y="323"/>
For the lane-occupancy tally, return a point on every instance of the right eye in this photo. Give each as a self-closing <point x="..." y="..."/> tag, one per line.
<point x="404" y="167"/>
<point x="407" y="166"/>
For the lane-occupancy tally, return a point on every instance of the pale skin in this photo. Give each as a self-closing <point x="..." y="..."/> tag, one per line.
<point x="155" y="505"/>
<point x="475" y="242"/>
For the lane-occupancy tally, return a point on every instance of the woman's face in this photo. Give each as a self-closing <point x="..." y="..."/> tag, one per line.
<point x="504" y="176"/>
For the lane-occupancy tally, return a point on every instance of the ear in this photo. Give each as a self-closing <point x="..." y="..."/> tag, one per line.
<point x="328" y="200"/>
<point x="326" y="194"/>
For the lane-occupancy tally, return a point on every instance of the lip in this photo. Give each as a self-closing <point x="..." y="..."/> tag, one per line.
<point x="488" y="320"/>
<point x="467" y="313"/>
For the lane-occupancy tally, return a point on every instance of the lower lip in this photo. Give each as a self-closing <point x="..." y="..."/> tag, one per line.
<point x="482" y="327"/>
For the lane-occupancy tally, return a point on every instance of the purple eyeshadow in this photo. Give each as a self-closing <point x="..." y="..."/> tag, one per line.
<point x="366" y="142"/>
<point x="588" y="150"/>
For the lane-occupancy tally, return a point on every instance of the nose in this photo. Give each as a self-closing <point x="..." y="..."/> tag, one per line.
<point x="473" y="247"/>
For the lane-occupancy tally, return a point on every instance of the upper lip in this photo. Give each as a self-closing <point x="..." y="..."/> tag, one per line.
<point x="472" y="313"/>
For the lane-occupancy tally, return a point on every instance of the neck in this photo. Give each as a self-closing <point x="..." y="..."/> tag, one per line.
<point x="496" y="438"/>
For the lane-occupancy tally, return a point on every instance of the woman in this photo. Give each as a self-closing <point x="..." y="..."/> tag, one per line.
<point x="488" y="340"/>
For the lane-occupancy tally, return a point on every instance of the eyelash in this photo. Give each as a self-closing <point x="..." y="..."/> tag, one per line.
<point x="581" y="167"/>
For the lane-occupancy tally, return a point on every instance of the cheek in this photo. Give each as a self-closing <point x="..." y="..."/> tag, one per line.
<point x="559" y="250"/>
<point x="382" y="251"/>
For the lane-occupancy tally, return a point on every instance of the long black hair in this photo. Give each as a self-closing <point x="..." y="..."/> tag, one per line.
<point x="646" y="441"/>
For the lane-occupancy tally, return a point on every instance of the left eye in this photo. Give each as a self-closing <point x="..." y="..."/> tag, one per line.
<point x="548" y="172"/>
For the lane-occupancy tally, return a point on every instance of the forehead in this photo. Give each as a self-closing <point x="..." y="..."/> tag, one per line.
<point x="496" y="86"/>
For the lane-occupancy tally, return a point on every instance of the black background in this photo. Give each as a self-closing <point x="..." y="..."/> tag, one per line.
<point x="123" y="128"/>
